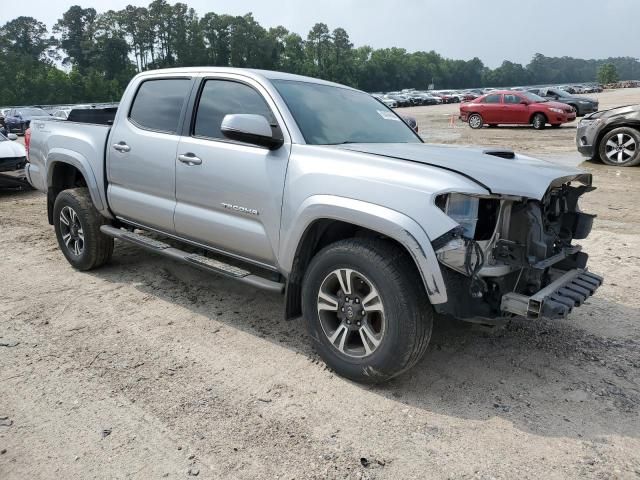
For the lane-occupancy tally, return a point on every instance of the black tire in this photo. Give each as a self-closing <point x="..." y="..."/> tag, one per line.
<point x="575" y="107"/>
<point x="475" y="121"/>
<point x="630" y="154"/>
<point x="539" y="121"/>
<point x="408" y="315"/>
<point x="97" y="247"/>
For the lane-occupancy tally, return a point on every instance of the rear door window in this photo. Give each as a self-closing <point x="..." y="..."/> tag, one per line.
<point x="492" y="99"/>
<point x="158" y="104"/>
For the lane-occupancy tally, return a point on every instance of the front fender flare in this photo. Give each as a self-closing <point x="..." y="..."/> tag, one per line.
<point x="374" y="217"/>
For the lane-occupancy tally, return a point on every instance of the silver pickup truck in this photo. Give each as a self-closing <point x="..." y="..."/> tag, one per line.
<point x="320" y="191"/>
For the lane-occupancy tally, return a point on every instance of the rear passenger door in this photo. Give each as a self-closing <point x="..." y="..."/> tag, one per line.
<point x="492" y="109"/>
<point x="229" y="196"/>
<point x="141" y="153"/>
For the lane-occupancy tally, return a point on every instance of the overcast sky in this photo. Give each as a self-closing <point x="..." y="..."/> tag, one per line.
<point x="492" y="30"/>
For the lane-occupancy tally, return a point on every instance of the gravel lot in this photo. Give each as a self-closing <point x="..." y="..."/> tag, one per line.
<point x="149" y="369"/>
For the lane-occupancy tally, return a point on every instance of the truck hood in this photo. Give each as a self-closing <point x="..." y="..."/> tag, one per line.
<point x="516" y="175"/>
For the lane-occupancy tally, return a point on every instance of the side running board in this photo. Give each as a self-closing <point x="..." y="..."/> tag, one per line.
<point x="200" y="261"/>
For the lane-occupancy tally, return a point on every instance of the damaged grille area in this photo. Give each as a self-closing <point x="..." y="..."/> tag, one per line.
<point x="529" y="265"/>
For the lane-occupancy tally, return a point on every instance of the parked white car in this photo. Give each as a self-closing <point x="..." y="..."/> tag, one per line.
<point x="13" y="158"/>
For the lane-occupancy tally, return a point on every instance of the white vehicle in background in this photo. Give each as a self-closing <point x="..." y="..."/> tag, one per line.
<point x="387" y="101"/>
<point x="13" y="158"/>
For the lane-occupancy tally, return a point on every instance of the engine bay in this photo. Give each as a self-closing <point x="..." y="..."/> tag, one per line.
<point x="509" y="245"/>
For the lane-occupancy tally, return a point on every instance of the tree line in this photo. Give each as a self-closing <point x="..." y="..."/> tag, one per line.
<point x="100" y="52"/>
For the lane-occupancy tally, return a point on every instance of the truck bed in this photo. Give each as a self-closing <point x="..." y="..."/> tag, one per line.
<point x="80" y="144"/>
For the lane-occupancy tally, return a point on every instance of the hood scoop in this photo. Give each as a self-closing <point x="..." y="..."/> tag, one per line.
<point x="502" y="153"/>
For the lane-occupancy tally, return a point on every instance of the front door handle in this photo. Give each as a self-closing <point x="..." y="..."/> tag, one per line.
<point x="189" y="159"/>
<point x="121" y="147"/>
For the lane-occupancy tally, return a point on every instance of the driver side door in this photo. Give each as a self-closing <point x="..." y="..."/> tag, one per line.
<point x="517" y="111"/>
<point x="229" y="193"/>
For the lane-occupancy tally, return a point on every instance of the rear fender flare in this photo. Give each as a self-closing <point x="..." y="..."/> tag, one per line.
<point x="69" y="157"/>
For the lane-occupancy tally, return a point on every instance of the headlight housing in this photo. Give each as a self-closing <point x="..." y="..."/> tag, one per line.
<point x="590" y="122"/>
<point x="556" y="110"/>
<point x="463" y="209"/>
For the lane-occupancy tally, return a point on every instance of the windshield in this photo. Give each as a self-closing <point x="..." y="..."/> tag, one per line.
<point x="328" y="115"/>
<point x="533" y="97"/>
<point x="560" y="93"/>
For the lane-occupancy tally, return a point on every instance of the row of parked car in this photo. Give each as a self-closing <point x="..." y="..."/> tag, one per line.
<point x="412" y="97"/>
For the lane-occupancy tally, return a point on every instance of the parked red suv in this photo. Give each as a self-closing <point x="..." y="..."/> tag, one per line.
<point x="507" y="107"/>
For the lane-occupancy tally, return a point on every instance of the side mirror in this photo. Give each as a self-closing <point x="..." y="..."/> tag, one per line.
<point x="253" y="129"/>
<point x="12" y="136"/>
<point x="524" y="102"/>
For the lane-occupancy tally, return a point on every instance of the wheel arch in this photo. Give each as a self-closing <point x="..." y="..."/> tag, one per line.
<point x="66" y="169"/>
<point x="546" y="117"/>
<point x="324" y="219"/>
<point x="635" y="124"/>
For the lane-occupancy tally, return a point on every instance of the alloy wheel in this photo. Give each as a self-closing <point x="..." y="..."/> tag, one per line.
<point x="71" y="230"/>
<point x="351" y="313"/>
<point x="621" y="148"/>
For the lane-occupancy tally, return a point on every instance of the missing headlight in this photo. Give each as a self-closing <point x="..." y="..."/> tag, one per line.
<point x="476" y="216"/>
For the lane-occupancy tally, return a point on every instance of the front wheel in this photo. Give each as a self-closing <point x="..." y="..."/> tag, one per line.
<point x="620" y="147"/>
<point x="539" y="121"/>
<point x="475" y="121"/>
<point x="366" y="309"/>
<point x="77" y="225"/>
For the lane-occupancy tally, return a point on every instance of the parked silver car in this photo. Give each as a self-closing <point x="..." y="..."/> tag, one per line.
<point x="317" y="190"/>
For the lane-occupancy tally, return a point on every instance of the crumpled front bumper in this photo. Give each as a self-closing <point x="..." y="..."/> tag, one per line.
<point x="557" y="299"/>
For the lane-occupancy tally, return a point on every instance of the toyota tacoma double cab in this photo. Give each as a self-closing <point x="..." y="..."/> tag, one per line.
<point x="322" y="193"/>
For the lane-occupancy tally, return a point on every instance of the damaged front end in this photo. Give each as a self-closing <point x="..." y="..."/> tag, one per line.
<point x="512" y="255"/>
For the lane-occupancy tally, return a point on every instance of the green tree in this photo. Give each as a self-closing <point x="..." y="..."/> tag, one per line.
<point x="76" y="29"/>
<point x="607" y="73"/>
<point x="27" y="36"/>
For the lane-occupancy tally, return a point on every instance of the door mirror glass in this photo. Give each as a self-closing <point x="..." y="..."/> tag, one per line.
<point x="249" y="128"/>
<point x="12" y="136"/>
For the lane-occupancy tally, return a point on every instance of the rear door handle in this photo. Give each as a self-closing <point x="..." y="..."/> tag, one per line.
<point x="121" y="147"/>
<point x="189" y="159"/>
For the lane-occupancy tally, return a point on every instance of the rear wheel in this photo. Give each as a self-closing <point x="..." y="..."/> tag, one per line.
<point x="77" y="225"/>
<point x="366" y="309"/>
<point x="539" y="121"/>
<point x="475" y="120"/>
<point x="621" y="147"/>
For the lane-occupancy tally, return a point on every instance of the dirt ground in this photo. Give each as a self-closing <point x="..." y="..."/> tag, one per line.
<point x="148" y="369"/>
